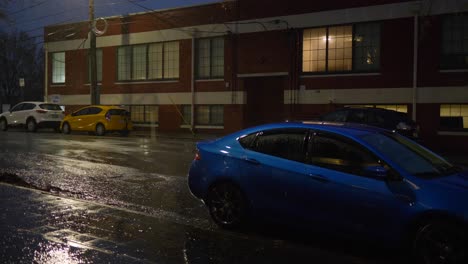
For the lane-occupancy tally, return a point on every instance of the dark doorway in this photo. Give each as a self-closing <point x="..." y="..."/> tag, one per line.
<point x="265" y="100"/>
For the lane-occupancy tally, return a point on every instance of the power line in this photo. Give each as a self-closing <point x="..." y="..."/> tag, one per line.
<point x="28" y="7"/>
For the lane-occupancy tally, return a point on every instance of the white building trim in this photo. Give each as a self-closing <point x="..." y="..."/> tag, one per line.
<point x="426" y="95"/>
<point x="209" y="98"/>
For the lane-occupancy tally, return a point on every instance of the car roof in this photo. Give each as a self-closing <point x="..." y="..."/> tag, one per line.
<point x="349" y="129"/>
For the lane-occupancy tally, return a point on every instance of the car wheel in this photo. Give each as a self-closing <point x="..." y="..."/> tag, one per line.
<point x="66" y="128"/>
<point x="440" y="242"/>
<point x="227" y="205"/>
<point x="31" y="125"/>
<point x="3" y="124"/>
<point x="100" y="130"/>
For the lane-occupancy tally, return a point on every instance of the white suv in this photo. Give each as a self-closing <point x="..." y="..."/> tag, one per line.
<point x="32" y="115"/>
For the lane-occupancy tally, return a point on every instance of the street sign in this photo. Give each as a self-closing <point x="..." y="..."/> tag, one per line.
<point x="55" y="98"/>
<point x="21" y="82"/>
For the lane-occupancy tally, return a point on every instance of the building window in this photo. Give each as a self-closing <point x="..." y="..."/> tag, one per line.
<point x="210" y="58"/>
<point x="124" y="63"/>
<point x="58" y="67"/>
<point x="454" y="116"/>
<point x="210" y="115"/>
<point x="366" y="47"/>
<point x="186" y="111"/>
<point x="455" y="42"/>
<point x="144" y="114"/>
<point x="98" y="66"/>
<point x="139" y="62"/>
<point x="349" y="48"/>
<point x="395" y="107"/>
<point x="156" y="61"/>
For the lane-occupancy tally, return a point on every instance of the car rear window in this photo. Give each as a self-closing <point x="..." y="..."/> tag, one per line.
<point x="50" y="107"/>
<point x="118" y="112"/>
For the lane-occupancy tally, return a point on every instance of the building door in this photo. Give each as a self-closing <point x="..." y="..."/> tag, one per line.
<point x="265" y="100"/>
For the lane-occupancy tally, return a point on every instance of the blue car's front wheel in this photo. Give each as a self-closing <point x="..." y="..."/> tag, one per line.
<point x="227" y="205"/>
<point x="439" y="242"/>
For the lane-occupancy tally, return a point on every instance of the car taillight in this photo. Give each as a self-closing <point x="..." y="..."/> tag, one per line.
<point x="41" y="111"/>
<point x="197" y="155"/>
<point x="108" y="116"/>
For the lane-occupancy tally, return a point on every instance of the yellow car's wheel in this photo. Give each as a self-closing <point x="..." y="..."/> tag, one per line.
<point x="100" y="130"/>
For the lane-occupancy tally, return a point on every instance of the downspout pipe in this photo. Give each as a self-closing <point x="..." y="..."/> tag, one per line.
<point x="46" y="72"/>
<point x="192" y="88"/>
<point x="415" y="67"/>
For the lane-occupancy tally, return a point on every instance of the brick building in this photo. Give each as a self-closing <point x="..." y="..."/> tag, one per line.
<point x="228" y="65"/>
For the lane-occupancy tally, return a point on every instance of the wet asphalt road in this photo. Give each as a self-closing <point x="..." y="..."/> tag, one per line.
<point x="125" y="200"/>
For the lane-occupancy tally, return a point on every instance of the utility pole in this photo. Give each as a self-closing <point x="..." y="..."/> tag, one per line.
<point x="95" y="95"/>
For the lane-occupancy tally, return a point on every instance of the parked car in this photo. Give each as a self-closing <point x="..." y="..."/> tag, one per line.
<point x="32" y="115"/>
<point x="379" y="117"/>
<point x="339" y="179"/>
<point x="99" y="119"/>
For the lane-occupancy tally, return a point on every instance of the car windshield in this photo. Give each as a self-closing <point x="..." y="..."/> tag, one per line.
<point x="409" y="155"/>
<point x="50" y="107"/>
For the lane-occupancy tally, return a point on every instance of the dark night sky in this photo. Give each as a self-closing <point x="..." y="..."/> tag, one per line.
<point x="32" y="15"/>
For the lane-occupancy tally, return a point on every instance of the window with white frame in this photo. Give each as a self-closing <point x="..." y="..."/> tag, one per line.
<point x="144" y="114"/>
<point x="212" y="115"/>
<point x="186" y="111"/>
<point x="454" y="116"/>
<point x="346" y="48"/>
<point x="455" y="42"/>
<point x="58" y="67"/>
<point x="210" y="58"/>
<point x="98" y="66"/>
<point x="155" y="61"/>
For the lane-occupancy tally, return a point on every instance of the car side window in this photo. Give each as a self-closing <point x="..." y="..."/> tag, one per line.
<point x="337" y="153"/>
<point x="81" y="112"/>
<point x="17" y="108"/>
<point x="94" y="110"/>
<point x="287" y="144"/>
<point x="28" y="106"/>
<point x="357" y="116"/>
<point x="337" y="116"/>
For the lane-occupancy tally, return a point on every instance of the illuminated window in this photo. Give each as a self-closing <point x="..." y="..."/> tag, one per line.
<point x="455" y="42"/>
<point x="210" y="58"/>
<point x="58" y="67"/>
<point x="454" y="116"/>
<point x="98" y="66"/>
<point x="210" y="115"/>
<point x="337" y="49"/>
<point x="154" y="61"/>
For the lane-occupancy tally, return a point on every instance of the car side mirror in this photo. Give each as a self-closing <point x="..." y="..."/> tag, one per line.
<point x="378" y="172"/>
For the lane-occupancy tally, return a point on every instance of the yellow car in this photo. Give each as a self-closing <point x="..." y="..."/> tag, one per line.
<point x="99" y="119"/>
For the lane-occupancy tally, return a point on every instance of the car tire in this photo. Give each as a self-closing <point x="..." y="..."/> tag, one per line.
<point x="227" y="205"/>
<point x="100" y="130"/>
<point x="441" y="242"/>
<point x="66" y="128"/>
<point x="31" y="125"/>
<point x="3" y="124"/>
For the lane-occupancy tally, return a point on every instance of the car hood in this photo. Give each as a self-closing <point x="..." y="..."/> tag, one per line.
<point x="457" y="180"/>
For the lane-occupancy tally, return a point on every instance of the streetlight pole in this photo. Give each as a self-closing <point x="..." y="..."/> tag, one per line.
<point x="95" y="97"/>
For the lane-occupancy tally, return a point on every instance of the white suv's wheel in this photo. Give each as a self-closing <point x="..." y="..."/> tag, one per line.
<point x="66" y="128"/>
<point x="31" y="125"/>
<point x="3" y="124"/>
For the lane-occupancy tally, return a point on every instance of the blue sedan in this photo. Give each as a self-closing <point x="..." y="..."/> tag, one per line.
<point x="337" y="178"/>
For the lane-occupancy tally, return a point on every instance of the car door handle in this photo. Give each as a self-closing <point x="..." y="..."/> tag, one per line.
<point x="253" y="161"/>
<point x="318" y="178"/>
